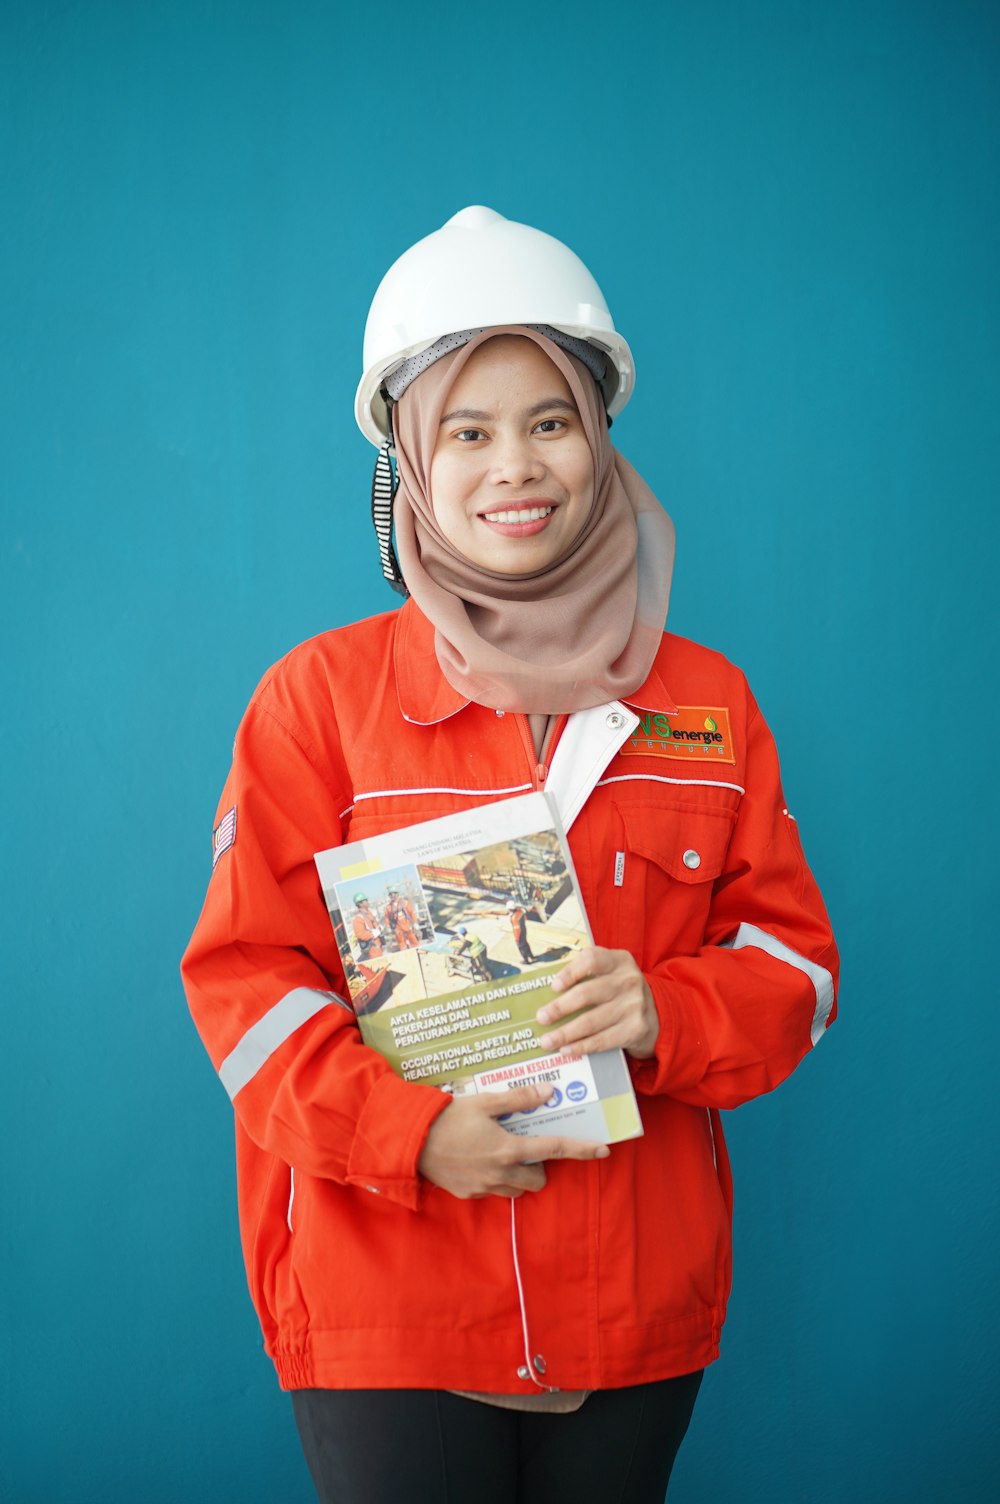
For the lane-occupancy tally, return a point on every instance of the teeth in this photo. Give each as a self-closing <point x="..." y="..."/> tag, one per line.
<point x="522" y="514"/>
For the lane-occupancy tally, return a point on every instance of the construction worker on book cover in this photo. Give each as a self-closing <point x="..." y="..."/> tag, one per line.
<point x="401" y="918"/>
<point x="366" y="927"/>
<point x="469" y="951"/>
<point x="459" y="1310"/>
<point x="518" y="917"/>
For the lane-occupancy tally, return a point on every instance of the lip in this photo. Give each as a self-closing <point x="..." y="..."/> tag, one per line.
<point x="521" y="519"/>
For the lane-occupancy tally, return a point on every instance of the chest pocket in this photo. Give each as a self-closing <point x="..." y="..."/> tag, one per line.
<point x="666" y="863"/>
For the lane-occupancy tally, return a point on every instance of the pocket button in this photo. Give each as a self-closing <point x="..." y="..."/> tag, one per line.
<point x="691" y="859"/>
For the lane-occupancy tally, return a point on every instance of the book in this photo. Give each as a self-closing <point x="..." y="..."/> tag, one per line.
<point x="450" y="932"/>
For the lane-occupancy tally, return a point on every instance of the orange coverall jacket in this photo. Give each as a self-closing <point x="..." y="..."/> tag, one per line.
<point x="363" y="1274"/>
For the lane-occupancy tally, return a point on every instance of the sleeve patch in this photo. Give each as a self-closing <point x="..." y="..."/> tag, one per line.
<point x="224" y="835"/>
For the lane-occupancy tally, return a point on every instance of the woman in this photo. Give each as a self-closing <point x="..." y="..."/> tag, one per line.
<point x="461" y="1313"/>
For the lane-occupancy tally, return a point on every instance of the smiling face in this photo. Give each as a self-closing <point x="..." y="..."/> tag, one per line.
<point x="512" y="475"/>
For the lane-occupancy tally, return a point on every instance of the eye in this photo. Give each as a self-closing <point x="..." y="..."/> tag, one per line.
<point x="550" y="425"/>
<point x="470" y="435"/>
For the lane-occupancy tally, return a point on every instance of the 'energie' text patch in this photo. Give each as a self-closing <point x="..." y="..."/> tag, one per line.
<point x="697" y="733"/>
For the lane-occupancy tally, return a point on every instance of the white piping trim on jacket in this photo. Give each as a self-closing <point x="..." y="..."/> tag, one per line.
<point x="291" y="1197"/>
<point x="518" y="788"/>
<point x="528" y="1360"/>
<point x="749" y="934"/>
<point x="270" y="1032"/>
<point x="703" y="783"/>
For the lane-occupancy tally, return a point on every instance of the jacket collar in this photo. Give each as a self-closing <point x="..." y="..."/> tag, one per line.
<point x="652" y="694"/>
<point x="426" y="697"/>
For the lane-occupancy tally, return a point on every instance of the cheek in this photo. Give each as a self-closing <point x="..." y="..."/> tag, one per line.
<point x="441" y="486"/>
<point x="450" y="480"/>
<point x="436" y="478"/>
<point x="578" y="473"/>
<point x="581" y="482"/>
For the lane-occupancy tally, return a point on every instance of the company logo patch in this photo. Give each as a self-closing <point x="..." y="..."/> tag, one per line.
<point x="224" y="835"/>
<point x="697" y="733"/>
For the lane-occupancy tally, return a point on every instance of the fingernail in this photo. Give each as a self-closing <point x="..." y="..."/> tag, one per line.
<point x="543" y="1016"/>
<point x="556" y="983"/>
<point x="546" y="1041"/>
<point x="603" y="1152"/>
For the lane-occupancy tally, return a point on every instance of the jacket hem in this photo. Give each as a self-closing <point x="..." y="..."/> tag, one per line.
<point x="352" y="1360"/>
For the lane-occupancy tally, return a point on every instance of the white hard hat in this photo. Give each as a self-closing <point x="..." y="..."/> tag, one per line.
<point x="478" y="271"/>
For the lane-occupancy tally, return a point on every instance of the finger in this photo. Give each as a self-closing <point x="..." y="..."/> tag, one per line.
<point x="565" y="1148"/>
<point x="497" y="1104"/>
<point x="512" y="1181"/>
<point x="589" y="992"/>
<point x="586" y="963"/>
<point x="613" y="1038"/>
<point x="524" y="1177"/>
<point x="618" y="1026"/>
<point x="591" y="1024"/>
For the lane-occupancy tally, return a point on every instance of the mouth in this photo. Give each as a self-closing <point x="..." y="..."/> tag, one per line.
<point x="519" y="521"/>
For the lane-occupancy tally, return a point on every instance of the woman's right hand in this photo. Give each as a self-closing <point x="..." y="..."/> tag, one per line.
<point x="469" y="1154"/>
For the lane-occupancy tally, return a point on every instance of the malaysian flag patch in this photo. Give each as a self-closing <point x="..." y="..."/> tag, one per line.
<point x="224" y="835"/>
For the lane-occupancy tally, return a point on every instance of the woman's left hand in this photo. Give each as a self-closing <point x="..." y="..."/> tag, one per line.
<point x="619" y="1012"/>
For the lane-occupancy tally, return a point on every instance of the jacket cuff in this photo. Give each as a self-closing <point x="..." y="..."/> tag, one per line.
<point x="390" y="1136"/>
<point x="653" y="1077"/>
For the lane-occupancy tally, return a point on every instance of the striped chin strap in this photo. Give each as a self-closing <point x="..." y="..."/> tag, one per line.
<point x="385" y="483"/>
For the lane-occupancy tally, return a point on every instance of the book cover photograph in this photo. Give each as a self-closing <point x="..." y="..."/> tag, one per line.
<point x="450" y="932"/>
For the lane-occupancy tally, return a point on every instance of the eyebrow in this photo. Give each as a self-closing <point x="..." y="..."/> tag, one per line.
<point x="473" y="414"/>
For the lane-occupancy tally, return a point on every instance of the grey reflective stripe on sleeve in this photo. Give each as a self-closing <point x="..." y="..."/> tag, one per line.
<point x="749" y="934"/>
<point x="269" y="1034"/>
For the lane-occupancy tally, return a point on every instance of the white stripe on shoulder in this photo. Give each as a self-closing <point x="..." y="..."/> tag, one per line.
<point x="749" y="934"/>
<point x="706" y="783"/>
<point x="270" y="1032"/>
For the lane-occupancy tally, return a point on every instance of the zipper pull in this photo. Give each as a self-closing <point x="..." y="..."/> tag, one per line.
<point x="541" y="773"/>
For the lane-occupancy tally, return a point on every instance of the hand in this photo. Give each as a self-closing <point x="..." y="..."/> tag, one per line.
<point x="619" y="1012"/>
<point x="469" y="1154"/>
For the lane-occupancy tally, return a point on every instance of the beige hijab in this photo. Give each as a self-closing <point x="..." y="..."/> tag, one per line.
<point x="579" y="633"/>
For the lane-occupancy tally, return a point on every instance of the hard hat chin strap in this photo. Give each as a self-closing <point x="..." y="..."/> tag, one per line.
<point x="385" y="483"/>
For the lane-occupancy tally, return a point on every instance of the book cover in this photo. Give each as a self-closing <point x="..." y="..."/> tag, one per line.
<point x="450" y="932"/>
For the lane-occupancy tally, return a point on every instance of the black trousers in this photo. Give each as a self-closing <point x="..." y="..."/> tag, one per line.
<point x="425" y="1446"/>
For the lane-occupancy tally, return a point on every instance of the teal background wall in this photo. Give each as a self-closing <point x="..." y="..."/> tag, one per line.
<point x="793" y="212"/>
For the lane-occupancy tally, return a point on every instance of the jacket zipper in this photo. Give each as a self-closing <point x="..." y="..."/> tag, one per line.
<point x="540" y="770"/>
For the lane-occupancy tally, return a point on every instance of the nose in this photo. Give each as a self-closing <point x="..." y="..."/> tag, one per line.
<point x="516" y="461"/>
